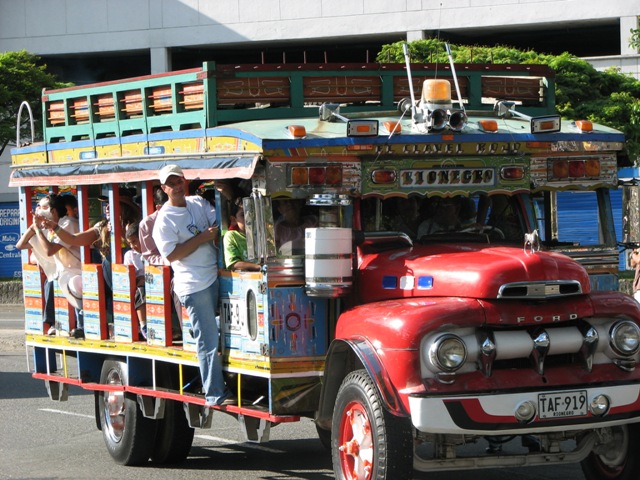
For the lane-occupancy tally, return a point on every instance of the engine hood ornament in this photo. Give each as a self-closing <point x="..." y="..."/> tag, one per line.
<point x="532" y="242"/>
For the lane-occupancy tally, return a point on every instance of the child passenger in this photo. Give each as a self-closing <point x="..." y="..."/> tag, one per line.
<point x="235" y="241"/>
<point x="134" y="257"/>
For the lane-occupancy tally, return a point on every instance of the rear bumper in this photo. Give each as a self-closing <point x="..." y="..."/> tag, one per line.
<point x="493" y="414"/>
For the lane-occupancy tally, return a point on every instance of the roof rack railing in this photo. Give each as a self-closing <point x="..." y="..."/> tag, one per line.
<point x="219" y="94"/>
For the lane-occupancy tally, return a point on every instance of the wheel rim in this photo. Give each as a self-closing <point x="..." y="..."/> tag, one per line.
<point x="356" y="443"/>
<point x="114" y="409"/>
<point x="612" y="462"/>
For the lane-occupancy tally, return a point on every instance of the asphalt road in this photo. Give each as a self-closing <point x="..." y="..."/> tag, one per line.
<point x="42" y="439"/>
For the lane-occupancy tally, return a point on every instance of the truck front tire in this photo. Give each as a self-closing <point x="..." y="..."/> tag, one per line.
<point x="367" y="441"/>
<point x="617" y="459"/>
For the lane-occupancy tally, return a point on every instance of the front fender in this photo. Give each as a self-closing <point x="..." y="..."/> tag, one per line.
<point x="345" y="356"/>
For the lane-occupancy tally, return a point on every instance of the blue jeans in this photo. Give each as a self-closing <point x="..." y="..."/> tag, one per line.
<point x="201" y="307"/>
<point x="49" y="314"/>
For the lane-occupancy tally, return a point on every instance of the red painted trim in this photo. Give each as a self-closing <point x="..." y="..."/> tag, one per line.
<point x="186" y="398"/>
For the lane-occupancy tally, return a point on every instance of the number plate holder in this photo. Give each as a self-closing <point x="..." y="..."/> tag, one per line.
<point x="562" y="404"/>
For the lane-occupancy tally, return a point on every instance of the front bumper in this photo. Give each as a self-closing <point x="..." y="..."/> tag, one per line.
<point x="493" y="414"/>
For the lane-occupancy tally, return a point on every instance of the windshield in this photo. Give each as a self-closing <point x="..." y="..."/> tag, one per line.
<point x="484" y="218"/>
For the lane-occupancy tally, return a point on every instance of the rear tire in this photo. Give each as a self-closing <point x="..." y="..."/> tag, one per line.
<point x="367" y="441"/>
<point x="618" y="459"/>
<point x="128" y="435"/>
<point x="175" y="436"/>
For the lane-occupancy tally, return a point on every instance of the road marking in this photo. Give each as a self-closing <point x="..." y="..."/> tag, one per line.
<point x="51" y="410"/>
<point x="244" y="444"/>
<point x="204" y="437"/>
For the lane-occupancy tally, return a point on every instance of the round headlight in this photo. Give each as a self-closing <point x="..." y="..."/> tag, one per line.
<point x="625" y="338"/>
<point x="448" y="352"/>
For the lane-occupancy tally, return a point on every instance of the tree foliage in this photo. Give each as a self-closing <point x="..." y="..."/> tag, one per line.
<point x="610" y="97"/>
<point x="22" y="78"/>
<point x="634" y="41"/>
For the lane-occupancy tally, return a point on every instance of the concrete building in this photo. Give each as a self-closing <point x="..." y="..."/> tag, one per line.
<point x="91" y="40"/>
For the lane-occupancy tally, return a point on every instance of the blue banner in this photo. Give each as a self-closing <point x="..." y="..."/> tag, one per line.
<point x="10" y="258"/>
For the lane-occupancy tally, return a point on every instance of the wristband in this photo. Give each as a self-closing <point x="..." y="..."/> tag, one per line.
<point x="56" y="229"/>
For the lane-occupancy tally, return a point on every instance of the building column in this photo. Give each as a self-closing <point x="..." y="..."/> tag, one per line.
<point x="626" y="25"/>
<point x="160" y="60"/>
<point x="414" y="35"/>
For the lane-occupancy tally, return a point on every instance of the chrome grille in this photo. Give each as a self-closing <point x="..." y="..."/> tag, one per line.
<point x="540" y="290"/>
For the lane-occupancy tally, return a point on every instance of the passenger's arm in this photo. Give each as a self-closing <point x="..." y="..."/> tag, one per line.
<point x="23" y="242"/>
<point x="186" y="248"/>
<point x="80" y="239"/>
<point x="245" y="266"/>
<point x="49" y="247"/>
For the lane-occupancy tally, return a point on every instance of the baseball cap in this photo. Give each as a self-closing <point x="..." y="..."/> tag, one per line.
<point x="167" y="171"/>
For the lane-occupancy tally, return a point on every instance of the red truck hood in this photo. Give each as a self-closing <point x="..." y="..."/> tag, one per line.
<point x="461" y="270"/>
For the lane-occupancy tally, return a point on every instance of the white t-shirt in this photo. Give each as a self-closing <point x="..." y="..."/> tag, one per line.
<point x="176" y="225"/>
<point x="131" y="257"/>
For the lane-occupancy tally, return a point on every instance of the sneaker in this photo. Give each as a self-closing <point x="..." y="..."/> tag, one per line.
<point x="226" y="402"/>
<point x="230" y="400"/>
<point x="51" y="331"/>
<point x="143" y="331"/>
<point x="77" y="333"/>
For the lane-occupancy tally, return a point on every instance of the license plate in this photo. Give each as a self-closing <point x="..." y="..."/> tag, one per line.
<point x="562" y="404"/>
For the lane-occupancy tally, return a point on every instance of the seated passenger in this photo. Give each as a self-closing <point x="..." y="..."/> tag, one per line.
<point x="289" y="228"/>
<point x="468" y="213"/>
<point x="66" y="256"/>
<point x="134" y="257"/>
<point x="504" y="218"/>
<point x="445" y="219"/>
<point x="47" y="264"/>
<point x="402" y="215"/>
<point x="97" y="236"/>
<point x="235" y="241"/>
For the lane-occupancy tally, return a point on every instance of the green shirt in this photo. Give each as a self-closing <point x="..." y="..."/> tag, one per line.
<point x="235" y="247"/>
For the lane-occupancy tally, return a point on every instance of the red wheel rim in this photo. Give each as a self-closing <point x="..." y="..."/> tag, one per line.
<point x="613" y="465"/>
<point x="356" y="443"/>
<point x="611" y="472"/>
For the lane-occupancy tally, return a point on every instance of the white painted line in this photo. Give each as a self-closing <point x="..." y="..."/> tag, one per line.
<point x="244" y="444"/>
<point x="51" y="410"/>
<point x="204" y="437"/>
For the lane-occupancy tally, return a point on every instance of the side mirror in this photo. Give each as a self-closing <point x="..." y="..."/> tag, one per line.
<point x="259" y="225"/>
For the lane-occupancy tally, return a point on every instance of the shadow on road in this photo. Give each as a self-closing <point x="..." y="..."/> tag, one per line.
<point x="282" y="457"/>
<point x="20" y="384"/>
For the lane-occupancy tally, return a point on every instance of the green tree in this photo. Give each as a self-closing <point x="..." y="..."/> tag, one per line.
<point x="22" y="78"/>
<point x="582" y="92"/>
<point x="634" y="41"/>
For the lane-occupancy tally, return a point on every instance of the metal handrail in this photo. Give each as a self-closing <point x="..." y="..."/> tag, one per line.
<point x="23" y="104"/>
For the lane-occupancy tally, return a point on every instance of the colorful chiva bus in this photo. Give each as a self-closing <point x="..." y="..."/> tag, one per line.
<point x="425" y="303"/>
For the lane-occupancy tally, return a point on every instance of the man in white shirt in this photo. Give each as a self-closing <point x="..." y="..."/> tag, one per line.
<point x="186" y="234"/>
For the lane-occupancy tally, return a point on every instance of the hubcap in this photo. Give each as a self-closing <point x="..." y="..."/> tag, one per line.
<point x="356" y="443"/>
<point x="114" y="409"/>
<point x="613" y="454"/>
